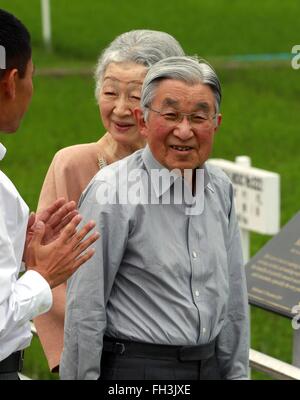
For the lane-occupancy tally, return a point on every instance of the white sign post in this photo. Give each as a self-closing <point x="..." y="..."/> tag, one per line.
<point x="46" y="23"/>
<point x="256" y="194"/>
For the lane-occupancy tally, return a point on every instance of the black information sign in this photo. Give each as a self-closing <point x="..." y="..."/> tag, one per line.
<point x="273" y="274"/>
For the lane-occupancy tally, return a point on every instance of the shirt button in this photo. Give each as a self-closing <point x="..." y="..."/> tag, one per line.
<point x="194" y="254"/>
<point x="197" y="293"/>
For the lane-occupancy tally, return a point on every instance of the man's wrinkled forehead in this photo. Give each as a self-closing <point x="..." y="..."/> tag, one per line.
<point x="177" y="94"/>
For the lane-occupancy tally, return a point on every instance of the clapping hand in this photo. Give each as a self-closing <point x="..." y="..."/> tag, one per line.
<point x="55" y="218"/>
<point x="62" y="256"/>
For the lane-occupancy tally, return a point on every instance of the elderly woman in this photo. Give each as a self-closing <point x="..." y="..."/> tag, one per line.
<point x="119" y="77"/>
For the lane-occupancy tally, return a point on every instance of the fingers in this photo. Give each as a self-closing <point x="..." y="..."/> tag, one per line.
<point x="84" y="244"/>
<point x="47" y="213"/>
<point x="31" y="220"/>
<point x="82" y="233"/>
<point x="79" y="247"/>
<point x="38" y="233"/>
<point x="69" y="251"/>
<point x="69" y="231"/>
<point x="56" y="205"/>
<point x="65" y="221"/>
<point x="58" y="215"/>
<point x="83" y="258"/>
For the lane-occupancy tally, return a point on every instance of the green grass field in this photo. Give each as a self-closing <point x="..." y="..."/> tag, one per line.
<point x="260" y="101"/>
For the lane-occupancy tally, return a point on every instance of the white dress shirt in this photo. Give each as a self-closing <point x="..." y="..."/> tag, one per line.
<point x="24" y="298"/>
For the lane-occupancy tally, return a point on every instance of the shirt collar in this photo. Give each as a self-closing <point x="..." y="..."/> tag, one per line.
<point x="2" y="151"/>
<point x="167" y="177"/>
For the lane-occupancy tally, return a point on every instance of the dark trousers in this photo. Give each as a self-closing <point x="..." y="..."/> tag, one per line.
<point x="126" y="365"/>
<point x="10" y="366"/>
<point x="9" y="376"/>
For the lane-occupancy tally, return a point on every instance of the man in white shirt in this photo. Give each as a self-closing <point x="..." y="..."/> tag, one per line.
<point x="48" y="243"/>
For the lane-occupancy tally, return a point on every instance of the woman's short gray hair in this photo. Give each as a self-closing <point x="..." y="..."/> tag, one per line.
<point x="190" y="70"/>
<point x="142" y="46"/>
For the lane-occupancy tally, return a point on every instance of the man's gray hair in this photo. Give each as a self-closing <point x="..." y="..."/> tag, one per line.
<point x="142" y="46"/>
<point x="190" y="70"/>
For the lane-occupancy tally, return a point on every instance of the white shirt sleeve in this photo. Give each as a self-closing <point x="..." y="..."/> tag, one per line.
<point x="21" y="299"/>
<point x="30" y="296"/>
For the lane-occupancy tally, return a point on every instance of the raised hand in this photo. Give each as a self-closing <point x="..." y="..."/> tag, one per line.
<point x="55" y="217"/>
<point x="59" y="259"/>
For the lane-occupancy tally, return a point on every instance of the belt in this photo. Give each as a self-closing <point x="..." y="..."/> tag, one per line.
<point x="158" y="351"/>
<point x="12" y="363"/>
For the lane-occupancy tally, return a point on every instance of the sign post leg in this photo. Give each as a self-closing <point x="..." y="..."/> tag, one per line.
<point x="245" y="161"/>
<point x="46" y="23"/>
<point x="296" y="348"/>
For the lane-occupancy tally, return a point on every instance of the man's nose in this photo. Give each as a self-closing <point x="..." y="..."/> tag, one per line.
<point x="122" y="107"/>
<point x="183" y="129"/>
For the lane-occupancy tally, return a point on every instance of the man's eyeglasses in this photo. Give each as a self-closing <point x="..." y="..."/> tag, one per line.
<point x="197" y="118"/>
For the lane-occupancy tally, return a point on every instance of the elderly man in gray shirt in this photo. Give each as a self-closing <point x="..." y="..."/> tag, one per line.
<point x="164" y="296"/>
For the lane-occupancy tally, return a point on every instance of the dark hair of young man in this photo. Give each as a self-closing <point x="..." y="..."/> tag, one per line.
<point x="15" y="39"/>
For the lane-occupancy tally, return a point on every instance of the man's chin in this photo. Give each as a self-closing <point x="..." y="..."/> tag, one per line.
<point x="8" y="130"/>
<point x="182" y="166"/>
<point x="13" y="127"/>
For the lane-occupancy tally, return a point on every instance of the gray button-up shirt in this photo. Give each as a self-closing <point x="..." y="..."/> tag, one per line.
<point x="159" y="275"/>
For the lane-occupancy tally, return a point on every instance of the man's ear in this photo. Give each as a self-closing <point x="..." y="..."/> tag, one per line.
<point x="8" y="83"/>
<point x="139" y="117"/>
<point x="218" y="121"/>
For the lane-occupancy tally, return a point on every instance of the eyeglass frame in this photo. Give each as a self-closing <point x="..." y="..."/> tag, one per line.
<point x="181" y="115"/>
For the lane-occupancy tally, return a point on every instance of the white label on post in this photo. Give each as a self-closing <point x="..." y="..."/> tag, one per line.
<point x="257" y="196"/>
